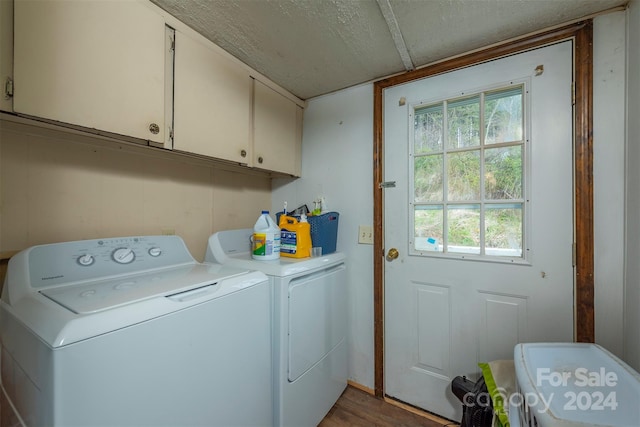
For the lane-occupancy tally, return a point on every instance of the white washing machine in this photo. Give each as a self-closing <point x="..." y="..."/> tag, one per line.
<point x="133" y="331"/>
<point x="309" y="328"/>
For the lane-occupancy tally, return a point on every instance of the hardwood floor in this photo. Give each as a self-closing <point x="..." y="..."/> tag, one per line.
<point x="356" y="408"/>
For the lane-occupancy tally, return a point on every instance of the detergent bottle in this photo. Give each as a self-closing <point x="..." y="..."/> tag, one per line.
<point x="295" y="237"/>
<point x="265" y="241"/>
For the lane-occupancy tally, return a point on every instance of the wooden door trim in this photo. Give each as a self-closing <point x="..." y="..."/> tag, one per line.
<point x="582" y="34"/>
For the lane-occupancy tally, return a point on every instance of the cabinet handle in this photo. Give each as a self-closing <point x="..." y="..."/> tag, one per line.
<point x="243" y="153"/>
<point x="154" y="128"/>
<point x="8" y="88"/>
<point x="260" y="160"/>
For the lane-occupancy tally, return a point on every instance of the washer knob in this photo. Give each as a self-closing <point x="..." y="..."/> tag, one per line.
<point x="155" y="251"/>
<point x="123" y="255"/>
<point x="86" y="260"/>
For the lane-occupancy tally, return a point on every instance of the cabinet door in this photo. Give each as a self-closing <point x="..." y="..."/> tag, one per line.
<point x="212" y="103"/>
<point x="6" y="53"/>
<point x="96" y="64"/>
<point x="277" y="131"/>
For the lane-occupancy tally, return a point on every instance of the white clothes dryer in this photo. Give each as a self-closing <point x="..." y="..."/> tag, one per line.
<point x="133" y="332"/>
<point x="309" y="328"/>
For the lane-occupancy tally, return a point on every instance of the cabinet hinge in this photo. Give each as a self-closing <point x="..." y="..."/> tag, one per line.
<point x="171" y="35"/>
<point x="573" y="93"/>
<point x="8" y="88"/>
<point x="573" y="254"/>
<point x="172" y="42"/>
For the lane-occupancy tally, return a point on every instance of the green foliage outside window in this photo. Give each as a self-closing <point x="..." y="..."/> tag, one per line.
<point x="468" y="184"/>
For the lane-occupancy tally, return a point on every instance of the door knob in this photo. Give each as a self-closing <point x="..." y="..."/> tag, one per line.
<point x="392" y="254"/>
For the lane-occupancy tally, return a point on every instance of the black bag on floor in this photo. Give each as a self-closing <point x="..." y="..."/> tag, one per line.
<point x="477" y="409"/>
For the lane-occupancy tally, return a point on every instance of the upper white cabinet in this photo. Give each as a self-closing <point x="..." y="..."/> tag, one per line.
<point x="129" y="68"/>
<point x="6" y="55"/>
<point x="277" y="131"/>
<point x="212" y="102"/>
<point x="96" y="64"/>
<point x="220" y="111"/>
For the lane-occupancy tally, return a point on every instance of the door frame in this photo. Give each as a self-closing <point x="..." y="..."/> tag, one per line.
<point x="582" y="35"/>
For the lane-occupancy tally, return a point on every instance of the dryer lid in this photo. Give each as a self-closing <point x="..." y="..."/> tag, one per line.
<point x="232" y="247"/>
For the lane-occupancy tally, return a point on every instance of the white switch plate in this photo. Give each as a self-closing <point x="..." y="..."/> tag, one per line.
<point x="365" y="234"/>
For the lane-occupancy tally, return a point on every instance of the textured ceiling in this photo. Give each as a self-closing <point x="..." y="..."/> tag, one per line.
<point x="313" y="47"/>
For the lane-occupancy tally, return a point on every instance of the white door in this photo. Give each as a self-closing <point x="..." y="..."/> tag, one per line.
<point x="482" y="218"/>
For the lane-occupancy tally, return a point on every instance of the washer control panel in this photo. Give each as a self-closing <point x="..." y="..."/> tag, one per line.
<point x="68" y="262"/>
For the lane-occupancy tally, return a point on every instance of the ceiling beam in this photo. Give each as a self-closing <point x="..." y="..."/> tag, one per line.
<point x="394" y="29"/>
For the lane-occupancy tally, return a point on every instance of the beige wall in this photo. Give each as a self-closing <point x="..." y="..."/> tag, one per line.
<point x="60" y="186"/>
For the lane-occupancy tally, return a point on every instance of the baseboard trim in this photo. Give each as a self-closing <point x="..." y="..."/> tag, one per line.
<point x="361" y="387"/>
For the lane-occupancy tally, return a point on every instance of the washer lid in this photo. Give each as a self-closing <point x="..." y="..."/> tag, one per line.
<point x="60" y="319"/>
<point x="96" y="296"/>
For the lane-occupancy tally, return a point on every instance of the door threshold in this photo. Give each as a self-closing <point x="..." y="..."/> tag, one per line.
<point x="421" y="412"/>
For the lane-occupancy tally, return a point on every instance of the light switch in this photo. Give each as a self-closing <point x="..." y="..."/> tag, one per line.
<point x="365" y="234"/>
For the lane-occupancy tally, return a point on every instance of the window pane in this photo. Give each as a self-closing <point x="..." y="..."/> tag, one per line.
<point x="428" y="129"/>
<point x="464" y="123"/>
<point x="467" y="193"/>
<point x="503" y="173"/>
<point x="428" y="228"/>
<point x="428" y="178"/>
<point x="463" y="176"/>
<point x="463" y="234"/>
<point x="503" y="230"/>
<point x="503" y="116"/>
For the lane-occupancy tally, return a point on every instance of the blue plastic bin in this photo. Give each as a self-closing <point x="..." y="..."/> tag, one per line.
<point x="324" y="230"/>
